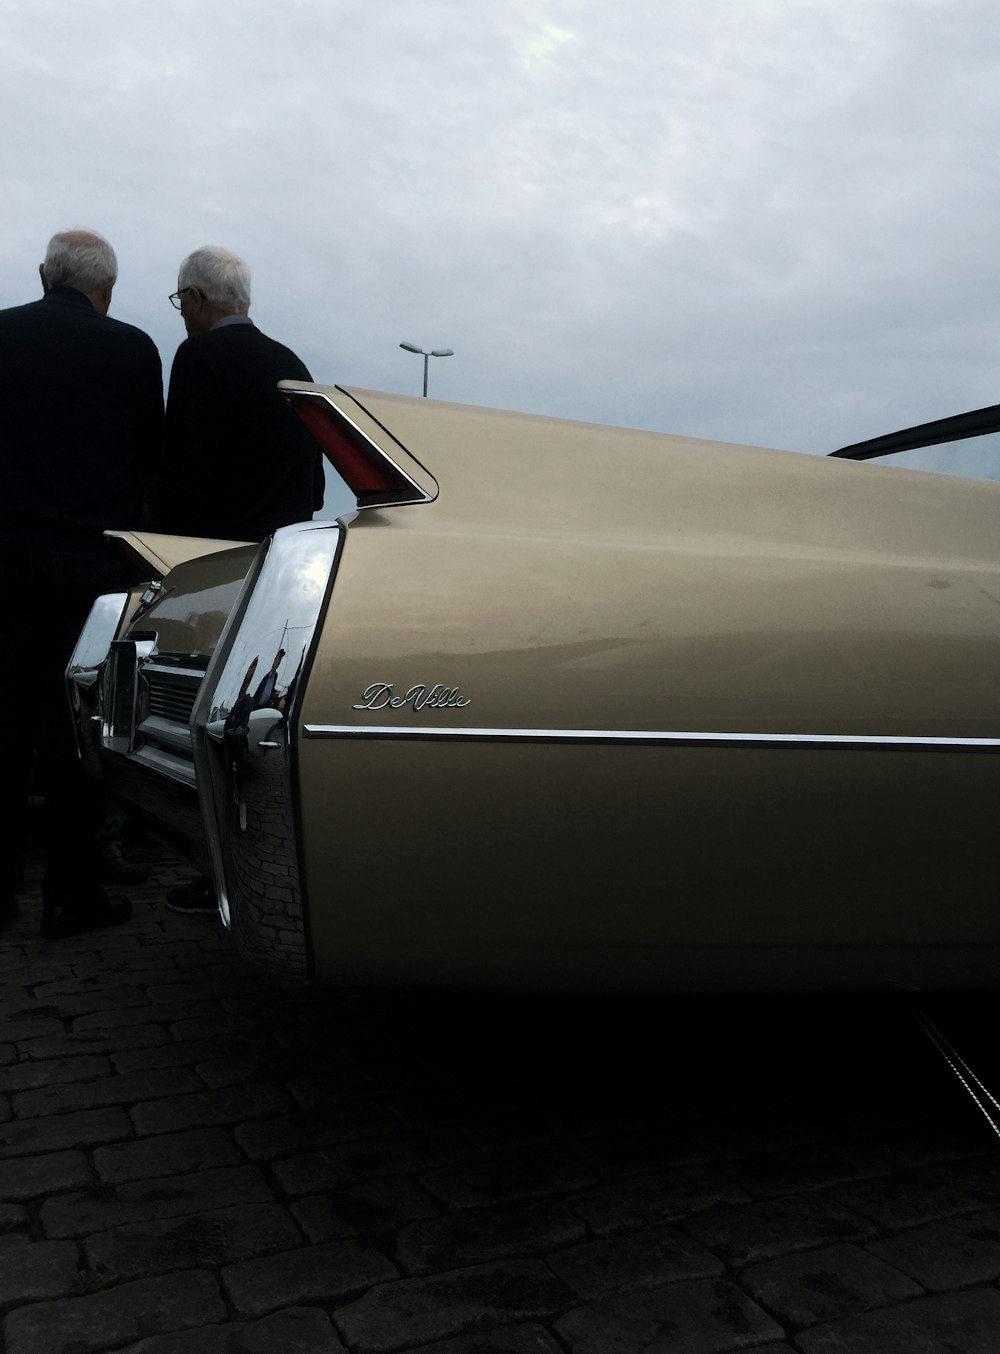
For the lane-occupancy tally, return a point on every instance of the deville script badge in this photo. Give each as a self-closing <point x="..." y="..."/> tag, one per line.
<point x="381" y="696"/>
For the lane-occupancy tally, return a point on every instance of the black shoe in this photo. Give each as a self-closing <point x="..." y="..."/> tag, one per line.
<point x="115" y="868"/>
<point x="193" y="899"/>
<point x="64" y="914"/>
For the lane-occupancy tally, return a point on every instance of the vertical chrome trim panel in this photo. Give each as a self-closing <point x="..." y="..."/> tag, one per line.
<point x="83" y="675"/>
<point x="243" y="752"/>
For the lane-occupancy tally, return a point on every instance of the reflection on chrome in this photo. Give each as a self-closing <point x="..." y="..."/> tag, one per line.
<point x="245" y="775"/>
<point x="96" y="636"/>
<point x="83" y="675"/>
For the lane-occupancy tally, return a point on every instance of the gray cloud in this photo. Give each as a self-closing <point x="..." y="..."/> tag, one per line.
<point x="769" y="221"/>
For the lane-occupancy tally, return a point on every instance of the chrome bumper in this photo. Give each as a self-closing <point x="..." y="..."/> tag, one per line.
<point x="234" y="749"/>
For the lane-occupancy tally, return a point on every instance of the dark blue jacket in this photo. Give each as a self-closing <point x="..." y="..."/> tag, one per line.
<point x="238" y="463"/>
<point x="81" y="414"/>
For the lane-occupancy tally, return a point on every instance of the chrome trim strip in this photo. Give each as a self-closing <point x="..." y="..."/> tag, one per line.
<point x="166" y="763"/>
<point x="242" y="751"/>
<point x="199" y="719"/>
<point x="83" y="675"/>
<point x="641" y="736"/>
<point x="170" y="670"/>
<point x="99" y="629"/>
<point x="158" y="730"/>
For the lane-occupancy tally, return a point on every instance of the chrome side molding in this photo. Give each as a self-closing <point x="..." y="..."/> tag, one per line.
<point x="846" y="741"/>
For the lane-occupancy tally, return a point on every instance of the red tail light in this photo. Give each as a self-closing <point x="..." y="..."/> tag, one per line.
<point x="369" y="472"/>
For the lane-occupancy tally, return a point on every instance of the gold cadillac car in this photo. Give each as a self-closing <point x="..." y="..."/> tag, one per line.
<point x="558" y="706"/>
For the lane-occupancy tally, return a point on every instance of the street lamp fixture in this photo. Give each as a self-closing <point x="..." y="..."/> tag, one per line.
<point x="434" y="352"/>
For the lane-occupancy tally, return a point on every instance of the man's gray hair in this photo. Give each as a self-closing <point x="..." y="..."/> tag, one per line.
<point x="80" y="259"/>
<point x="219" y="275"/>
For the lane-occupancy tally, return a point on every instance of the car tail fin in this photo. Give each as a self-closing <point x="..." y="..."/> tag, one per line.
<point x="375" y="476"/>
<point x="162" y="553"/>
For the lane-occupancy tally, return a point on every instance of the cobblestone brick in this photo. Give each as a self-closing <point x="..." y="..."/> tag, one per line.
<point x="701" y="1317"/>
<point x="28" y="1177"/>
<point x="775" y="1127"/>
<point x="186" y="1054"/>
<point x="53" y="1071"/>
<point x="967" y="1323"/>
<point x="207" y="1108"/>
<point x="42" y="1269"/>
<point x="108" y="1206"/>
<point x="117" y="1090"/>
<point x="217" y="1073"/>
<point x="940" y="1192"/>
<point x="813" y="1167"/>
<point x="816" y="1286"/>
<point x="103" y="1321"/>
<point x="264" y="1140"/>
<point x="641" y="1260"/>
<point x="486" y="1234"/>
<point x="439" y="1105"/>
<point x="763" y="1231"/>
<point x="650" y="1150"/>
<point x="317" y="1273"/>
<point x="103" y="948"/>
<point x="70" y="1005"/>
<point x="510" y="1340"/>
<point x="505" y="1130"/>
<point x="160" y="958"/>
<point x="19" y="1004"/>
<point x="955" y="1253"/>
<point x="394" y="1315"/>
<point x="157" y="970"/>
<point x="83" y="1129"/>
<point x="298" y="1330"/>
<point x="28" y="972"/>
<point x="398" y="1154"/>
<point x="168" y="1013"/>
<point x="11" y="1216"/>
<point x="99" y="1041"/>
<point x="255" y="1017"/>
<point x="8" y="1054"/>
<point x="925" y="1144"/>
<point x="319" y="1090"/>
<point x="41" y="1027"/>
<point x="369" y="1210"/>
<point x="205" y="989"/>
<point x="524" y="1173"/>
<point x="221" y="1236"/>
<point x="651" y="1199"/>
<point x="167" y="1154"/>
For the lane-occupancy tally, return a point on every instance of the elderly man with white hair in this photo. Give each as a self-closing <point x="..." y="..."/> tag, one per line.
<point x="238" y="464"/>
<point x="81" y="413"/>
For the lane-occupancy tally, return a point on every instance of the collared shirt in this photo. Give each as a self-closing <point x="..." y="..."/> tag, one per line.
<point x="231" y="319"/>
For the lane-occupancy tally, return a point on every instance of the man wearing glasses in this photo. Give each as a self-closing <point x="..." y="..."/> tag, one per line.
<point x="238" y="464"/>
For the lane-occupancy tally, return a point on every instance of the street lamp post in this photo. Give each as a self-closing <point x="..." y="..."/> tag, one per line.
<point x="435" y="352"/>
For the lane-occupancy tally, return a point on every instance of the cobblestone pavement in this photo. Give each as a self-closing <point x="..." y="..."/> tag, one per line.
<point x="194" y="1160"/>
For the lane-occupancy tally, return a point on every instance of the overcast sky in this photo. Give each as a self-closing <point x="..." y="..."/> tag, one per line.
<point x="769" y="221"/>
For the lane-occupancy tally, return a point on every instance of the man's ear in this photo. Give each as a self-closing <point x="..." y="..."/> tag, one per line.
<point x="103" y="295"/>
<point x="41" y="274"/>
